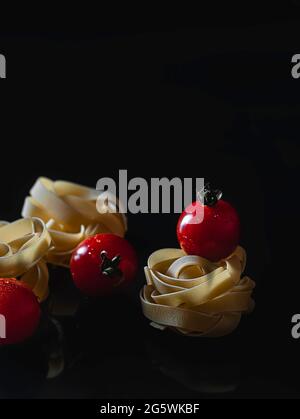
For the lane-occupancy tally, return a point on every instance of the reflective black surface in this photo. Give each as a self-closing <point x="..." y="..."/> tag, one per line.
<point x="104" y="348"/>
<point x="216" y="101"/>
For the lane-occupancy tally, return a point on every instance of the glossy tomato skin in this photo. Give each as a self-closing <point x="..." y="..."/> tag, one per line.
<point x="21" y="311"/>
<point x="86" y="264"/>
<point x="215" y="237"/>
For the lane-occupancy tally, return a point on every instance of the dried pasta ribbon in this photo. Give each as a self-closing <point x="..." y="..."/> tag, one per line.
<point x="23" y="246"/>
<point x="194" y="296"/>
<point x="70" y="213"/>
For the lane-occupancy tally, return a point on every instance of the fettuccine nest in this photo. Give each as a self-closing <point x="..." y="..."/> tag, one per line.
<point x="195" y="297"/>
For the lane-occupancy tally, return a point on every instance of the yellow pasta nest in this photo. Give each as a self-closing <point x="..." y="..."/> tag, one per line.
<point x="70" y="213"/>
<point x="23" y="246"/>
<point x="195" y="297"/>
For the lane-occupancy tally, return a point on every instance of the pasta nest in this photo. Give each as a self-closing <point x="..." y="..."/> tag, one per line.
<point x="71" y="213"/>
<point x="194" y="296"/>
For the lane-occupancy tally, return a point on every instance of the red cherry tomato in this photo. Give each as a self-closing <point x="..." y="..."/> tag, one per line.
<point x="217" y="235"/>
<point x="19" y="311"/>
<point x="102" y="264"/>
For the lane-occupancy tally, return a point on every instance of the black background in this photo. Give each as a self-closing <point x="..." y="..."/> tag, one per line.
<point x="214" y="99"/>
